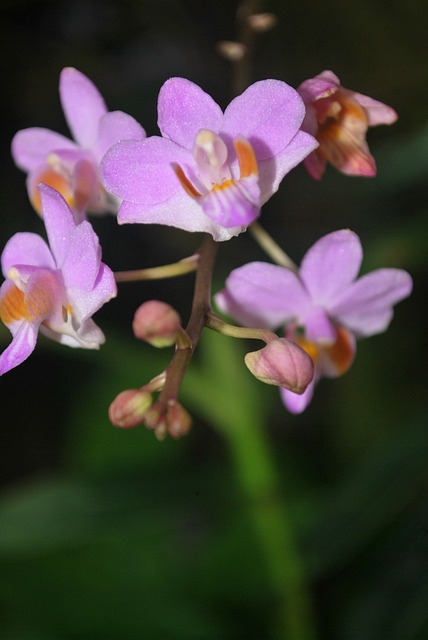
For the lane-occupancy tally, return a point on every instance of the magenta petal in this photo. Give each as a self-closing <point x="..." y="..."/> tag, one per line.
<point x="184" y="109"/>
<point x="113" y="127"/>
<point x="86" y="302"/>
<point x="297" y="403"/>
<point x="267" y="293"/>
<point x="141" y="170"/>
<point x="82" y="104"/>
<point x="235" y="205"/>
<point x="269" y="114"/>
<point x="366" y="307"/>
<point x="20" y="348"/>
<point x="28" y="249"/>
<point x="331" y="265"/>
<point x="31" y="146"/>
<point x="58" y="220"/>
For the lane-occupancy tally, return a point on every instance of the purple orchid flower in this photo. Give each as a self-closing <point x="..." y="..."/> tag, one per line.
<point x="55" y="290"/>
<point x="324" y="308"/>
<point x="339" y="119"/>
<point x="210" y="171"/>
<point x="70" y="166"/>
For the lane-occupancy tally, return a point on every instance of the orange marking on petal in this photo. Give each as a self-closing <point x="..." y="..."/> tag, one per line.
<point x="53" y="179"/>
<point x="224" y="185"/>
<point x="341" y="353"/>
<point x="246" y="158"/>
<point x="185" y="182"/>
<point x="311" y="348"/>
<point x="12" y="306"/>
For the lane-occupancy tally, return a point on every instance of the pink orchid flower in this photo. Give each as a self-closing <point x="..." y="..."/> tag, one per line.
<point x="55" y="290"/>
<point x="324" y="307"/>
<point x="70" y="166"/>
<point x="339" y="119"/>
<point x="210" y="171"/>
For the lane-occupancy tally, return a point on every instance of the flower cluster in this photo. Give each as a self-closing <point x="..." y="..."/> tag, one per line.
<point x="208" y="171"/>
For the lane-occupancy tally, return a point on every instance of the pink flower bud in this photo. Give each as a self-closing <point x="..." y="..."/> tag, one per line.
<point x="170" y="419"/>
<point x="128" y="409"/>
<point x="282" y="363"/>
<point x="157" y="323"/>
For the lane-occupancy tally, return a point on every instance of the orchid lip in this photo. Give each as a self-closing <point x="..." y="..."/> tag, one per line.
<point x="228" y="201"/>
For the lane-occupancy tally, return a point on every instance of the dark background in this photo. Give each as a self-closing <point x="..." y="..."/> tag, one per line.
<point x="110" y="534"/>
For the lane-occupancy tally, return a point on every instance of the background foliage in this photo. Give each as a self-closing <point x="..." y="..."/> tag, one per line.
<point x="110" y="534"/>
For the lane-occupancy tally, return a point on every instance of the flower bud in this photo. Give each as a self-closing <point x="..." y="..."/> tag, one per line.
<point x="282" y="363"/>
<point x="261" y="22"/>
<point x="157" y="323"/>
<point x="233" y="51"/>
<point x="128" y="409"/>
<point x="170" y="419"/>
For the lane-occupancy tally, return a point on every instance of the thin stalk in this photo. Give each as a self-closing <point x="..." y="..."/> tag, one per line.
<point x="268" y="244"/>
<point x="187" y="265"/>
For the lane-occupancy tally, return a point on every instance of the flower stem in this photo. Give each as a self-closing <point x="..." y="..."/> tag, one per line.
<point x="187" y="265"/>
<point x="200" y="309"/>
<point x="220" y="326"/>
<point x="269" y="245"/>
<point x="257" y="475"/>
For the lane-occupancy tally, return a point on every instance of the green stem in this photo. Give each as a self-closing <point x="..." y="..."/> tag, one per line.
<point x="257" y="475"/>
<point x="187" y="265"/>
<point x="220" y="326"/>
<point x="269" y="245"/>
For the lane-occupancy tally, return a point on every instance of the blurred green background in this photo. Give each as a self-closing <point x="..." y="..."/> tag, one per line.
<point x="111" y="534"/>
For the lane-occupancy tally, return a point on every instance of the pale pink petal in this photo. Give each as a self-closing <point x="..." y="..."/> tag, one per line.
<point x="269" y="114"/>
<point x="82" y="104"/>
<point x="267" y="294"/>
<point x="180" y="211"/>
<point x="26" y="248"/>
<point x="321" y="86"/>
<point x="20" y="348"/>
<point x="83" y="250"/>
<point x="31" y="146"/>
<point x="331" y="265"/>
<point x="184" y="109"/>
<point x="273" y="170"/>
<point x="366" y="306"/>
<point x="113" y="127"/>
<point x="297" y="403"/>
<point x="58" y="220"/>
<point x="141" y="171"/>
<point x="376" y="112"/>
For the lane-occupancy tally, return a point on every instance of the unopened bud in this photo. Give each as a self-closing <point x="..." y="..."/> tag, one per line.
<point x="233" y="51"/>
<point x="128" y="408"/>
<point x="262" y="21"/>
<point x="171" y="419"/>
<point x="157" y="323"/>
<point x="282" y="363"/>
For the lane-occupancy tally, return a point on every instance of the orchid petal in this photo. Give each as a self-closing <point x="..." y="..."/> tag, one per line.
<point x="297" y="403"/>
<point x="184" y="109"/>
<point x="31" y="146"/>
<point x="113" y="127"/>
<point x="82" y="104"/>
<point x="269" y="114"/>
<point x="85" y="303"/>
<point x="331" y="265"/>
<point x="264" y="292"/>
<point x="29" y="247"/>
<point x="20" y="348"/>
<point x="321" y="86"/>
<point x="149" y="177"/>
<point x="59" y="222"/>
<point x="376" y="112"/>
<point x="273" y="170"/>
<point x="178" y="211"/>
<point x="366" y="306"/>
<point x="83" y="250"/>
